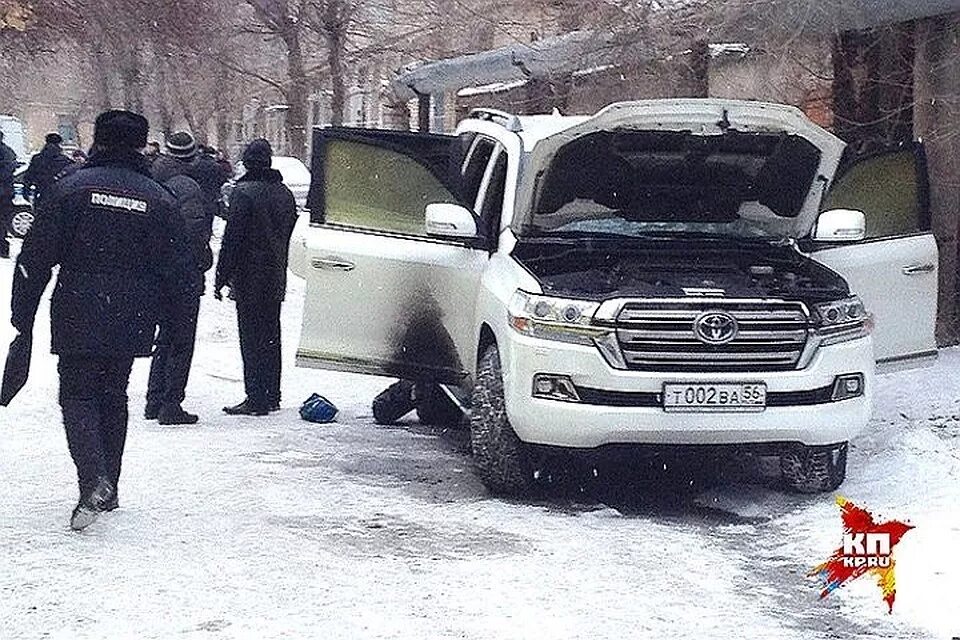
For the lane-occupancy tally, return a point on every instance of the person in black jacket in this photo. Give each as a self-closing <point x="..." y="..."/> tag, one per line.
<point x="8" y="165"/>
<point x="182" y="158"/>
<point x="46" y="165"/>
<point x="123" y="261"/>
<point x="170" y="368"/>
<point x="253" y="262"/>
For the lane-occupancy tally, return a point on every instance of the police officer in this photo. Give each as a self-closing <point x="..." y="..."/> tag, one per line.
<point x="119" y="243"/>
<point x="253" y="262"/>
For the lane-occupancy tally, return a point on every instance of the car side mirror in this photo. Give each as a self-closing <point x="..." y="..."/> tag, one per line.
<point x="447" y="220"/>
<point x="841" y="225"/>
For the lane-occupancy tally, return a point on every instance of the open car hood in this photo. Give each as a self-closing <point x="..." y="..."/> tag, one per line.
<point x="699" y="117"/>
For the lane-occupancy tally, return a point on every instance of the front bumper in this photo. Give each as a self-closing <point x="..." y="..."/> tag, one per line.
<point x="800" y="415"/>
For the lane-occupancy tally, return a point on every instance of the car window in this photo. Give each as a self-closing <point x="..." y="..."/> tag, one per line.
<point x="491" y="207"/>
<point x="885" y="187"/>
<point x="475" y="166"/>
<point x="377" y="188"/>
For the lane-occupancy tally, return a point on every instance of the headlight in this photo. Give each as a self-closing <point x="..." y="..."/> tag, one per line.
<point x="564" y="320"/>
<point x="554" y="318"/>
<point x="842" y="320"/>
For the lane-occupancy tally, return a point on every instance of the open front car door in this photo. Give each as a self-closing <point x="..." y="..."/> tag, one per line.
<point x="385" y="295"/>
<point x="893" y="268"/>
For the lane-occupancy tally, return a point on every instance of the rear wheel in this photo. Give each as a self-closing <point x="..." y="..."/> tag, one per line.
<point x="814" y="469"/>
<point x="434" y="406"/>
<point x="501" y="458"/>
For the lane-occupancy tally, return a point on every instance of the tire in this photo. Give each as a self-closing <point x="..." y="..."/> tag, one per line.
<point x="393" y="403"/>
<point x="20" y="223"/>
<point x="501" y="458"/>
<point x="814" y="469"/>
<point x="434" y="407"/>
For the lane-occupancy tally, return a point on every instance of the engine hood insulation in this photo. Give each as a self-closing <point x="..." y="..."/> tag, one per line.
<point x="689" y="159"/>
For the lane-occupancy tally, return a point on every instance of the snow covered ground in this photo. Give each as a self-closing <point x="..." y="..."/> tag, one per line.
<point x="272" y="527"/>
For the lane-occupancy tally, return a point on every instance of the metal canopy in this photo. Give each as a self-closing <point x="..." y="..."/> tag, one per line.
<point x="585" y="49"/>
<point x="513" y="63"/>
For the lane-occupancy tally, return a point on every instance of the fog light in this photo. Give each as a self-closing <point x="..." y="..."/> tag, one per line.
<point x="554" y="387"/>
<point x="848" y="386"/>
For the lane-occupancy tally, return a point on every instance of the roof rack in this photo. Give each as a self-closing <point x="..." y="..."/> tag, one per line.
<point x="509" y="121"/>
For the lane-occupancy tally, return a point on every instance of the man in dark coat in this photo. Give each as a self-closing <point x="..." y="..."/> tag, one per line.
<point x="8" y="165"/>
<point x="123" y="261"/>
<point x="170" y="368"/>
<point x="253" y="262"/>
<point x="46" y="165"/>
<point x="182" y="158"/>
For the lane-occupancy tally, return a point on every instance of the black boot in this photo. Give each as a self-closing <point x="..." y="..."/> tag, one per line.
<point x="174" y="414"/>
<point x="90" y="505"/>
<point x="113" y="502"/>
<point x="246" y="408"/>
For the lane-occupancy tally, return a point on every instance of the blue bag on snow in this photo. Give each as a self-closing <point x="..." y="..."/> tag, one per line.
<point x="318" y="409"/>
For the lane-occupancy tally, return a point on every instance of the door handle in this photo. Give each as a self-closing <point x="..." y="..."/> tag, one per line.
<point x="917" y="269"/>
<point x="332" y="264"/>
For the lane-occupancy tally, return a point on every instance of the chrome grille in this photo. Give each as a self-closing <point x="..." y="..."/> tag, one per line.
<point x="659" y="336"/>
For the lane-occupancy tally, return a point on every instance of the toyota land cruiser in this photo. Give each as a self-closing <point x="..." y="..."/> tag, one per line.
<point x="666" y="272"/>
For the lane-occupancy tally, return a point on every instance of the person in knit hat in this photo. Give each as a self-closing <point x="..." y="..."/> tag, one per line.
<point x="123" y="261"/>
<point x="253" y="263"/>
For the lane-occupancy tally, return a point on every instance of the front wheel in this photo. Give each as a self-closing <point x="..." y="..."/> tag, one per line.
<point x="814" y="469"/>
<point x="21" y="222"/>
<point x="501" y="458"/>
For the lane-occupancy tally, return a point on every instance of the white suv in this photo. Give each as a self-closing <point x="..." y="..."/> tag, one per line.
<point x="670" y="272"/>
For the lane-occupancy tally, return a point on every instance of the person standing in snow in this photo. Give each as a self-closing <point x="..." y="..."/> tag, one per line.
<point x="170" y="368"/>
<point x="46" y="165"/>
<point x="123" y="260"/>
<point x="182" y="158"/>
<point x="253" y="263"/>
<point x="8" y="165"/>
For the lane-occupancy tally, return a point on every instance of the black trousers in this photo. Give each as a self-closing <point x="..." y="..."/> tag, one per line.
<point x="93" y="396"/>
<point x="6" y="215"/>
<point x="170" y="368"/>
<point x="259" y="323"/>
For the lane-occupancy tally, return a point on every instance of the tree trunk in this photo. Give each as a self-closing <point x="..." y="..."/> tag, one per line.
<point x="222" y="123"/>
<point x="131" y="76"/>
<point x="873" y="85"/>
<point x="163" y="103"/>
<point x="298" y="95"/>
<point x="700" y="68"/>
<point x="335" y="24"/>
<point x="936" y="113"/>
<point x="102" y="73"/>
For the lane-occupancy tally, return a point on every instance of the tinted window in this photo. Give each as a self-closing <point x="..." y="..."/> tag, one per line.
<point x="376" y="188"/>
<point x="475" y="167"/>
<point x="886" y="189"/>
<point x="492" y="206"/>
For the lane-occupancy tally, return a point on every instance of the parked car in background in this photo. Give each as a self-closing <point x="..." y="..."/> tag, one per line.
<point x="22" y="219"/>
<point x="14" y="136"/>
<point x="295" y="175"/>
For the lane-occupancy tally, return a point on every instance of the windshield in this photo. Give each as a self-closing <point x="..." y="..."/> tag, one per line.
<point x="640" y="183"/>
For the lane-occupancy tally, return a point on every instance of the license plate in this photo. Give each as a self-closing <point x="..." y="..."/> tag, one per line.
<point x="723" y="397"/>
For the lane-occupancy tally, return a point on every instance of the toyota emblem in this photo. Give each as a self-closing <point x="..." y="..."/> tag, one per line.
<point x="716" y="327"/>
